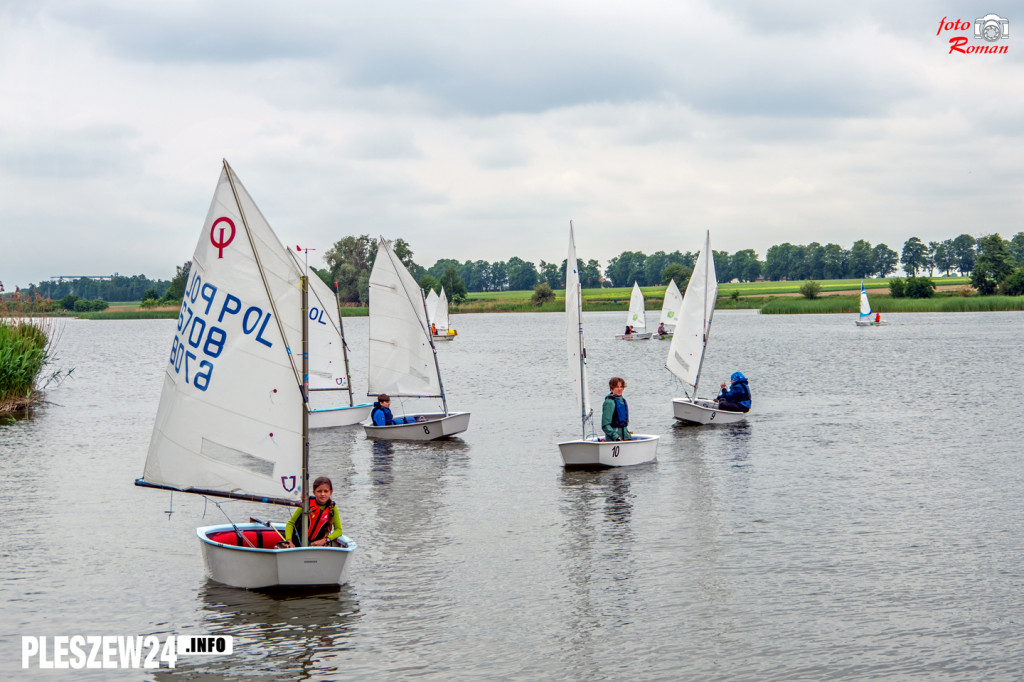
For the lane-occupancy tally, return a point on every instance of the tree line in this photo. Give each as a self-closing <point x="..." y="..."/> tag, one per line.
<point x="349" y="260"/>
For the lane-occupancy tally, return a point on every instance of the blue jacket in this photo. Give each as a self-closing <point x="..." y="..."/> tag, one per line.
<point x="738" y="391"/>
<point x="381" y="415"/>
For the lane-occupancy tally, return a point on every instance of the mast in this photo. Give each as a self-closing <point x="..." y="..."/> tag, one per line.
<point x="344" y="347"/>
<point x="707" y="325"/>
<point x="304" y="538"/>
<point x="578" y="302"/>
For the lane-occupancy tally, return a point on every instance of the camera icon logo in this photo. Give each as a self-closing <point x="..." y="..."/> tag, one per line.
<point x="992" y="27"/>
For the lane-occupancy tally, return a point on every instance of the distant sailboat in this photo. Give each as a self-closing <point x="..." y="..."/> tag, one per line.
<point x="636" y="317"/>
<point x="403" y="360"/>
<point x="329" y="377"/>
<point x="232" y="420"/>
<point x="670" y="310"/>
<point x="686" y="354"/>
<point x="590" y="451"/>
<point x="437" y="312"/>
<point x="867" y="318"/>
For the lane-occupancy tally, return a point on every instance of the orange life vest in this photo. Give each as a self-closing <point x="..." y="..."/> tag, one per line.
<point x="319" y="519"/>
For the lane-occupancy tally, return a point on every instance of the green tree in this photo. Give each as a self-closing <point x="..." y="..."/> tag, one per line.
<point x="862" y="259"/>
<point x="1017" y="248"/>
<point x="176" y="291"/>
<point x="913" y="256"/>
<point x="522" y="275"/>
<point x="1013" y="285"/>
<point x="626" y="268"/>
<point x="542" y="294"/>
<point x="920" y="287"/>
<point x="549" y="273"/>
<point x="897" y="287"/>
<point x="836" y="261"/>
<point x="679" y="273"/>
<point x="590" y="274"/>
<point x="944" y="260"/>
<point x="454" y="287"/>
<point x="886" y="260"/>
<point x="964" y="253"/>
<point x="810" y="289"/>
<point x="150" y="294"/>
<point x="994" y="264"/>
<point x="429" y="283"/>
<point x="745" y="266"/>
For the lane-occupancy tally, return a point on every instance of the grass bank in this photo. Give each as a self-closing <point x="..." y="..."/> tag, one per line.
<point x="887" y="304"/>
<point x="25" y="350"/>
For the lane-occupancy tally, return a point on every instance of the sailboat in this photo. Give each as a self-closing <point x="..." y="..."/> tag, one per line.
<point x="670" y="310"/>
<point x="867" y="318"/>
<point x="590" y="451"/>
<point x="686" y="354"/>
<point x="403" y="360"/>
<point x="232" y="420"/>
<point x="329" y="375"/>
<point x="437" y="313"/>
<point x="636" y="317"/>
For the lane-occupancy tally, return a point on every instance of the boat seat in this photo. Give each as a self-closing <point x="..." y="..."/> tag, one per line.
<point x="262" y="538"/>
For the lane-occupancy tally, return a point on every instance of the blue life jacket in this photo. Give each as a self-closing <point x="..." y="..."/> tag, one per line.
<point x="387" y="419"/>
<point x="738" y="392"/>
<point x="620" y="417"/>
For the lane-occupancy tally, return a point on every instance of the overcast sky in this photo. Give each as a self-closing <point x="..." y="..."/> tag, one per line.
<point x="477" y="130"/>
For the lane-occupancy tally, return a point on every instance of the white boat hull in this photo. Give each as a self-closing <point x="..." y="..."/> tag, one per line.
<point x="255" y="568"/>
<point x="871" y="324"/>
<point x="443" y="337"/>
<point x="433" y="427"/>
<point x="634" y="337"/>
<point x="602" y="454"/>
<point x="704" y="411"/>
<point x="662" y="337"/>
<point x="325" y="418"/>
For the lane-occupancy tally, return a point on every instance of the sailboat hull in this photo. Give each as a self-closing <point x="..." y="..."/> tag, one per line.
<point x="634" y="337"/>
<point x="601" y="454"/>
<point x="703" y="411"/>
<point x="870" y="324"/>
<point x="443" y="337"/>
<point x="432" y="427"/>
<point x="339" y="416"/>
<point x="254" y="568"/>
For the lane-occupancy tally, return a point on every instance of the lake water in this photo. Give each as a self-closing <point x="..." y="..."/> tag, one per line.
<point x="865" y="522"/>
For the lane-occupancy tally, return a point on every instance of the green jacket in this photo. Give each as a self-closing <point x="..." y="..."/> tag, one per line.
<point x="607" y="410"/>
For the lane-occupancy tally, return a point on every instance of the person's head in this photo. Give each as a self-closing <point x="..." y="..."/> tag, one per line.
<point x="322" y="490"/>
<point x="737" y="376"/>
<point x="616" y="385"/>
<point x="384" y="399"/>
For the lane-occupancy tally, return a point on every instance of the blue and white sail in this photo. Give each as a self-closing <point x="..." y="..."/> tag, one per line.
<point x="865" y="305"/>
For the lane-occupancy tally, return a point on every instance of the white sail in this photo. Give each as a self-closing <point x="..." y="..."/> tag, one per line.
<point x="671" y="305"/>
<point x="686" y="354"/>
<point x="230" y="414"/>
<point x="326" y="358"/>
<point x="574" y="342"/>
<point x="865" y="305"/>
<point x="402" y="359"/>
<point x="432" y="299"/>
<point x="636" y="315"/>
<point x="441" y="313"/>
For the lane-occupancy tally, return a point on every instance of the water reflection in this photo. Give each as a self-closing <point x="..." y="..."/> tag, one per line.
<point x="276" y="635"/>
<point x="597" y="560"/>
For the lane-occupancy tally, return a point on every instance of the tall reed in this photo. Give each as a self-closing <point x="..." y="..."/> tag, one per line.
<point x="24" y="353"/>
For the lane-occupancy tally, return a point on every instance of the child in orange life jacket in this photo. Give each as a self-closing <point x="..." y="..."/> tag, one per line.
<point x="324" y="518"/>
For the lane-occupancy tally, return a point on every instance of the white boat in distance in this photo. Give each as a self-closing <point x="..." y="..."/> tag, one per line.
<point x="437" y="314"/>
<point x="686" y="354"/>
<point x="232" y="420"/>
<point x="867" y="318"/>
<point x="330" y="384"/>
<point x="636" y="317"/>
<point x="670" y="310"/>
<point x="590" y="451"/>
<point x="403" y="359"/>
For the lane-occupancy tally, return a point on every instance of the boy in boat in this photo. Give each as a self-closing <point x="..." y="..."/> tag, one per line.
<point x="324" y="519"/>
<point x="737" y="397"/>
<point x="381" y="415"/>
<point x="615" y="412"/>
<point x="629" y="330"/>
<point x="661" y="329"/>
